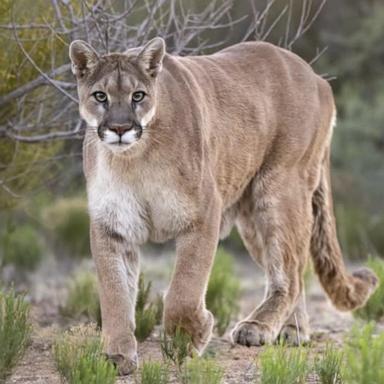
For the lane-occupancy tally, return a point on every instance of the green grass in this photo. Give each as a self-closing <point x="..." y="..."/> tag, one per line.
<point x="21" y="247"/>
<point x="83" y="299"/>
<point x="154" y="373"/>
<point x="223" y="291"/>
<point x="328" y="365"/>
<point x="147" y="313"/>
<point x="281" y="365"/>
<point x="202" y="371"/>
<point x="176" y="348"/>
<point x="364" y="356"/>
<point x="83" y="302"/>
<point x="15" y="330"/>
<point x="80" y="360"/>
<point x="374" y="308"/>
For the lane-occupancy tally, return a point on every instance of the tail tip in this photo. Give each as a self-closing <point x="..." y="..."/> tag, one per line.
<point x="367" y="276"/>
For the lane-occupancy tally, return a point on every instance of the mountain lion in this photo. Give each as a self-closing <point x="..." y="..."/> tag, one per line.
<point x="186" y="147"/>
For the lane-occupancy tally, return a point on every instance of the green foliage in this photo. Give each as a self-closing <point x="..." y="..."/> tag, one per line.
<point x="328" y="365"/>
<point x="282" y="365"/>
<point x="68" y="221"/>
<point x="202" y="371"/>
<point x="83" y="299"/>
<point x="154" y="373"/>
<point x="364" y="355"/>
<point x="146" y="312"/>
<point x="21" y="247"/>
<point x="374" y="308"/>
<point x="145" y="322"/>
<point x="177" y="347"/>
<point x="79" y="358"/>
<point x="223" y="290"/>
<point x="15" y="330"/>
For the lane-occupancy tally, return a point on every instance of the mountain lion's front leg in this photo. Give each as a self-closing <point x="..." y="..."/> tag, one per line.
<point x="117" y="269"/>
<point x="184" y="304"/>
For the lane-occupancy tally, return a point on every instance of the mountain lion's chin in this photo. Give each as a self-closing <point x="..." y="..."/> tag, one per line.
<point x="120" y="147"/>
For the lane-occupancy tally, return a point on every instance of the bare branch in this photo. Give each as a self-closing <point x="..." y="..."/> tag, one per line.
<point x="39" y="81"/>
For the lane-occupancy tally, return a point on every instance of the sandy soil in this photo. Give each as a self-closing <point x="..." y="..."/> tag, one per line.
<point x="47" y="291"/>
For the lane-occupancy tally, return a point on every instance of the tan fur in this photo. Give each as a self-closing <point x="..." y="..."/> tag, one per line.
<point x="238" y="137"/>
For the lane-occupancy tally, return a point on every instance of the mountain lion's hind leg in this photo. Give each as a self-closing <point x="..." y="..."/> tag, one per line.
<point x="296" y="330"/>
<point x="275" y="225"/>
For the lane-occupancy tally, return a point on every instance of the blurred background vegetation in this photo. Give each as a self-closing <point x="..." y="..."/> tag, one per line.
<point x="42" y="192"/>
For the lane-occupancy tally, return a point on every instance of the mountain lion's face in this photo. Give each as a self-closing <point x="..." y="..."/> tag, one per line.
<point x="117" y="92"/>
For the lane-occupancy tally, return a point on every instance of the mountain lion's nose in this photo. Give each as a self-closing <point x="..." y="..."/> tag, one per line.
<point x="120" y="129"/>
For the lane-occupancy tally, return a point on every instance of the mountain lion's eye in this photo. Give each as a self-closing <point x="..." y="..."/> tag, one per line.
<point x="101" y="97"/>
<point x="138" y="96"/>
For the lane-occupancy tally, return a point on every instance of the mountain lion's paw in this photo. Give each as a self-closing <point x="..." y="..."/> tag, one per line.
<point x="252" y="333"/>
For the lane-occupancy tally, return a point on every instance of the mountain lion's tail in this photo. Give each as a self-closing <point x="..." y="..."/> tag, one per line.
<point x="347" y="291"/>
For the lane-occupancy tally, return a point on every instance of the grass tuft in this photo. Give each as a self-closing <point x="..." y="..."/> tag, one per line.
<point x="374" y="308"/>
<point x="202" y="371"/>
<point x="328" y="365"/>
<point x="282" y="365"/>
<point x="15" y="330"/>
<point x="223" y="291"/>
<point x="154" y="373"/>
<point x="364" y="356"/>
<point x="146" y="312"/>
<point x="83" y="299"/>
<point x="80" y="360"/>
<point x="176" y="348"/>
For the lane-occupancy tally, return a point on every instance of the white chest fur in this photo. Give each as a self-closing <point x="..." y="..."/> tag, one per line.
<point x="138" y="209"/>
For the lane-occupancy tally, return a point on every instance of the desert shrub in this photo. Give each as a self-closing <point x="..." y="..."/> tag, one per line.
<point x="364" y="356"/>
<point x="67" y="219"/>
<point x="223" y="290"/>
<point x="83" y="298"/>
<point x="282" y="365"/>
<point x="177" y="347"/>
<point x="202" y="371"/>
<point x="374" y="308"/>
<point x="15" y="330"/>
<point x="154" y="373"/>
<point x="328" y="365"/>
<point x="146" y="312"/>
<point x="21" y="247"/>
<point x="79" y="358"/>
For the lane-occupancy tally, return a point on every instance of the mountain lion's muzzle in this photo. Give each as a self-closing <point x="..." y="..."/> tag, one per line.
<point x="126" y="133"/>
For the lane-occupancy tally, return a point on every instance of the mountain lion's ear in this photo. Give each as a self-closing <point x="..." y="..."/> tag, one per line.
<point x="83" y="57"/>
<point x="151" y="56"/>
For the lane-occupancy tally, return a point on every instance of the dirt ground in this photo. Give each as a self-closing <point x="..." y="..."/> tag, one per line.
<point x="47" y="291"/>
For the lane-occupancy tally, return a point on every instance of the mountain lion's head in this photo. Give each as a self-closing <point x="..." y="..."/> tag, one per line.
<point x="117" y="92"/>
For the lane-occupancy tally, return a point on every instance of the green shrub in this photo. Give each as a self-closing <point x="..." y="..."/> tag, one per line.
<point x="146" y="312"/>
<point x="15" y="330"/>
<point x="83" y="298"/>
<point x="177" y="347"/>
<point x="374" y="308"/>
<point x="223" y="291"/>
<point x="202" y="371"/>
<point x="328" y="365"/>
<point x="282" y="365"/>
<point x="68" y="221"/>
<point x="21" y="247"/>
<point x="154" y="373"/>
<point x="145" y="322"/>
<point x="79" y="358"/>
<point x="364" y="356"/>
